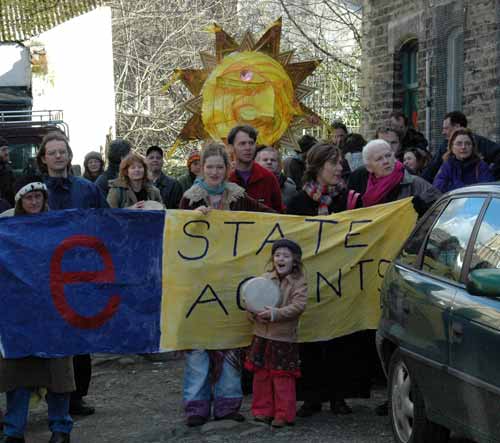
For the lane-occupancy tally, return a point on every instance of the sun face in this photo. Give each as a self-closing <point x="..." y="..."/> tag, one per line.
<point x="248" y="83"/>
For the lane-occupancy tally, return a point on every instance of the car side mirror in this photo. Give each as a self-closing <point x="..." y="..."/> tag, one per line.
<point x="484" y="282"/>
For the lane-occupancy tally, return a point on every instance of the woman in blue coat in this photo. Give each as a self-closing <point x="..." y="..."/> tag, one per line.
<point x="462" y="165"/>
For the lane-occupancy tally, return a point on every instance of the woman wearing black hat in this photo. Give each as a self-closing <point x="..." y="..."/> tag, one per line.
<point x="327" y="366"/>
<point x="19" y="378"/>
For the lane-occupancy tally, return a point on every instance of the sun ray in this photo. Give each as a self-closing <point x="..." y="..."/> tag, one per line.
<point x="270" y="41"/>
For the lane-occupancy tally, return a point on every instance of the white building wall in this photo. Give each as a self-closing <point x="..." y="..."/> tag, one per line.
<point x="80" y="79"/>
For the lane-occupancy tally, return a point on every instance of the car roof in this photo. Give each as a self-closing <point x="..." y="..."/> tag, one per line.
<point x="477" y="188"/>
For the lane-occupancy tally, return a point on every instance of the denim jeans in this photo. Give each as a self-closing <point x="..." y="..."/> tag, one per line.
<point x="199" y="390"/>
<point x="16" y="416"/>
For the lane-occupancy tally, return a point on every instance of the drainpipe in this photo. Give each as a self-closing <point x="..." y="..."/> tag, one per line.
<point x="428" y="99"/>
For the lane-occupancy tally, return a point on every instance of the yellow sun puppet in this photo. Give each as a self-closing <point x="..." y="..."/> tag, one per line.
<point x="247" y="83"/>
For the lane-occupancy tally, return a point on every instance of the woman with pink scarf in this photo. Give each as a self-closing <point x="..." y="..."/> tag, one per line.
<point x="387" y="180"/>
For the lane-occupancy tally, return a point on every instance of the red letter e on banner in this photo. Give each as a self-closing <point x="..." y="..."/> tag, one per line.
<point x="58" y="279"/>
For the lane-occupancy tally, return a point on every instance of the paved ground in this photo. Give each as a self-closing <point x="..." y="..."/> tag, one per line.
<point x="139" y="401"/>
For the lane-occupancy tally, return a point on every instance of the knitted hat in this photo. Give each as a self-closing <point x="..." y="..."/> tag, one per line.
<point x="27" y="184"/>
<point x="92" y="155"/>
<point x="289" y="244"/>
<point x="194" y="155"/>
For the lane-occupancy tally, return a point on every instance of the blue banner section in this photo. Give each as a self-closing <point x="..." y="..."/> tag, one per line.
<point x="80" y="281"/>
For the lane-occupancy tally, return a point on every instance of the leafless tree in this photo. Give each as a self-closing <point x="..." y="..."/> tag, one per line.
<point x="154" y="37"/>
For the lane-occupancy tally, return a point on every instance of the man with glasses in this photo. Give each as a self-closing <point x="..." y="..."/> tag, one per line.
<point x="67" y="192"/>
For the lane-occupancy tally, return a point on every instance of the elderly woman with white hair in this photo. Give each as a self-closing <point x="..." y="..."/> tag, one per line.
<point x="387" y="180"/>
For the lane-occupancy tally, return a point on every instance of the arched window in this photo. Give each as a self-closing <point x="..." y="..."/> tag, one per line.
<point x="455" y="78"/>
<point x="408" y="59"/>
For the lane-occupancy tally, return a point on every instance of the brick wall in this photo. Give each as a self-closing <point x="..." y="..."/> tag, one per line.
<point x="388" y="24"/>
<point x="480" y="66"/>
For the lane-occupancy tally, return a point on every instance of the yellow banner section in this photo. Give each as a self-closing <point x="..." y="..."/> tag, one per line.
<point x="206" y="260"/>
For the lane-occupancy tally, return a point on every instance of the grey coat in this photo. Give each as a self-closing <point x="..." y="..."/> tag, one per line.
<point x="412" y="185"/>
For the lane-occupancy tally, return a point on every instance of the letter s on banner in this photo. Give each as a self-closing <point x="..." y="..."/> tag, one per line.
<point x="58" y="279"/>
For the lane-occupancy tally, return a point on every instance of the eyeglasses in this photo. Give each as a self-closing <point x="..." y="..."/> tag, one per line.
<point x="61" y="152"/>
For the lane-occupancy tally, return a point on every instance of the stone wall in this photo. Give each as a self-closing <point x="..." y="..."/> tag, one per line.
<point x="480" y="66"/>
<point x="387" y="25"/>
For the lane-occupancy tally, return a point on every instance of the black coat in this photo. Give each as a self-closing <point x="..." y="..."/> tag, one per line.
<point x="342" y="367"/>
<point x="170" y="190"/>
<point x="4" y="205"/>
<point x="7" y="183"/>
<point x="302" y="204"/>
<point x="358" y="180"/>
<point x="294" y="168"/>
<point x="102" y="182"/>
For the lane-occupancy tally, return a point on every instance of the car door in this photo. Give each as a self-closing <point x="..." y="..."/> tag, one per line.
<point x="416" y="311"/>
<point x="431" y="299"/>
<point x="475" y="338"/>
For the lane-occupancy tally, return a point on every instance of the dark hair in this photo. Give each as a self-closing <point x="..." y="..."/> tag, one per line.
<point x="456" y="133"/>
<point x="398" y="114"/>
<point x="457" y="118"/>
<point x="353" y="143"/>
<point x="3" y="141"/>
<point x="317" y="156"/>
<point x="337" y="124"/>
<point x="306" y="142"/>
<point x="385" y="129"/>
<point x="154" y="148"/>
<point x="215" y="150"/>
<point x="117" y="150"/>
<point x="295" y="249"/>
<point x="247" y="129"/>
<point x="421" y="155"/>
<point x="51" y="136"/>
<point x="127" y="162"/>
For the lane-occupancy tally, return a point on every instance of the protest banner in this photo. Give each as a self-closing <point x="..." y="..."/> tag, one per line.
<point x="80" y="281"/>
<point x="122" y="281"/>
<point x="208" y="258"/>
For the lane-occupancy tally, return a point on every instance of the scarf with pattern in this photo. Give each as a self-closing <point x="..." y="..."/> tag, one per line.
<point x="323" y="194"/>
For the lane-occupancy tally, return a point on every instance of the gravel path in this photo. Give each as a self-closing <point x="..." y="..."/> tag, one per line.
<point x="139" y="401"/>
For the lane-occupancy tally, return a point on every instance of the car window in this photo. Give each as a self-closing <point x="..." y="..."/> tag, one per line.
<point x="409" y="253"/>
<point x="447" y="242"/>
<point x="486" y="252"/>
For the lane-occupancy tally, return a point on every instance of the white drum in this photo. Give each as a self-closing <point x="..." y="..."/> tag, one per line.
<point x="152" y="205"/>
<point x="260" y="292"/>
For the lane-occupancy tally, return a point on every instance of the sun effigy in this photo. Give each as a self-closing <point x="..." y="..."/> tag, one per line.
<point x="248" y="83"/>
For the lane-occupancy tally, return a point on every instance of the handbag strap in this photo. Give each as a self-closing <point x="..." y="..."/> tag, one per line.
<point x="352" y="199"/>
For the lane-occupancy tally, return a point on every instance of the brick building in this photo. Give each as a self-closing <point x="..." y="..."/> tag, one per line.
<point x="429" y="57"/>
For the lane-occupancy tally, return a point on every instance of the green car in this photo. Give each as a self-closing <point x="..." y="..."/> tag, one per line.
<point x="439" y="335"/>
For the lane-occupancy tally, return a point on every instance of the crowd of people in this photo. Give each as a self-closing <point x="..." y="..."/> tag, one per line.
<point x="326" y="176"/>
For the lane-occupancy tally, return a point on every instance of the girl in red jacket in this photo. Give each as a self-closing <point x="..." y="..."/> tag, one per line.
<point x="274" y="353"/>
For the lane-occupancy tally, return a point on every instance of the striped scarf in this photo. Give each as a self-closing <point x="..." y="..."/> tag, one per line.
<point x="323" y="194"/>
